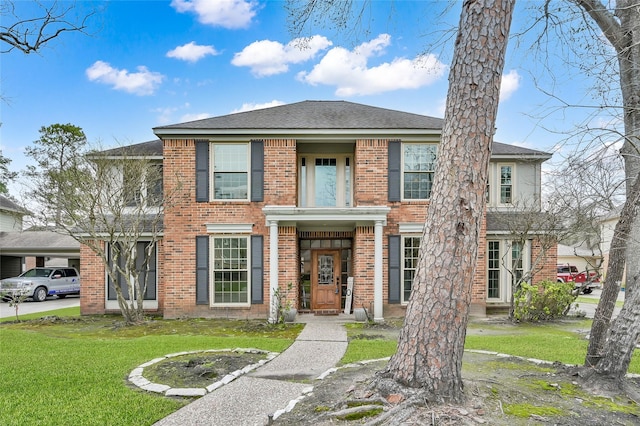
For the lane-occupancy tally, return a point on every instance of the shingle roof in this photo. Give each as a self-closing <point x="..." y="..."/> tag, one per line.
<point x="145" y="149"/>
<point x="314" y="115"/>
<point x="9" y="205"/>
<point x="40" y="243"/>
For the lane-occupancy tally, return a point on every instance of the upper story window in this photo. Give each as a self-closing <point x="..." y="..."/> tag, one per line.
<point x="419" y="164"/>
<point x="230" y="171"/>
<point x="325" y="181"/>
<point x="506" y="183"/>
<point x="142" y="184"/>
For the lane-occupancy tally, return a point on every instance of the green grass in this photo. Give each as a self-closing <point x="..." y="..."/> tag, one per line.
<point x="360" y="350"/>
<point x="74" y="373"/>
<point x="549" y="342"/>
<point x="591" y="301"/>
<point x="65" y="312"/>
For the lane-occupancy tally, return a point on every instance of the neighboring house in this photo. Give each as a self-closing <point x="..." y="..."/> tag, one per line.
<point x="11" y="215"/>
<point x="21" y="250"/>
<point x="607" y="226"/>
<point x="303" y="197"/>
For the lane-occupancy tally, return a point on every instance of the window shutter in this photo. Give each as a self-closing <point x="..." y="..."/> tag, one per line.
<point x="202" y="270"/>
<point x="395" y="174"/>
<point x="202" y="170"/>
<point x="395" y="281"/>
<point x="141" y="248"/>
<point x="257" y="270"/>
<point x="257" y="170"/>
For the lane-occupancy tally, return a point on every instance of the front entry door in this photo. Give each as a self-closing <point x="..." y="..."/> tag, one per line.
<point x="325" y="279"/>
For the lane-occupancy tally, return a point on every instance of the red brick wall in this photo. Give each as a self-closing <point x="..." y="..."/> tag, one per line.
<point x="546" y="258"/>
<point x="92" y="283"/>
<point x="363" y="249"/>
<point x="187" y="219"/>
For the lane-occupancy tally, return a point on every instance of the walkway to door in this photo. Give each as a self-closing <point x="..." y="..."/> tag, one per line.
<point x="252" y="398"/>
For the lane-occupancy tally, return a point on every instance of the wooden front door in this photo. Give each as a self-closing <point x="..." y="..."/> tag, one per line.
<point x="325" y="279"/>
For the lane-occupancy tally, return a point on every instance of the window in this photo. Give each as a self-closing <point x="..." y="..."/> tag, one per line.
<point x="230" y="171"/>
<point x="517" y="270"/>
<point x="410" y="252"/>
<point x="493" y="278"/>
<point x="230" y="276"/>
<point x="142" y="184"/>
<point x="145" y="266"/>
<point x="419" y="164"/>
<point x="507" y="262"/>
<point x="506" y="184"/>
<point x="325" y="181"/>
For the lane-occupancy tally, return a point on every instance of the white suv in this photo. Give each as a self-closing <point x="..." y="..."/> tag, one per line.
<point x="38" y="283"/>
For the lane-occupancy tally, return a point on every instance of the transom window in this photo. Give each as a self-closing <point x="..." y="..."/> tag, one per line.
<point x="230" y="171"/>
<point x="410" y="251"/>
<point x="419" y="164"/>
<point x="230" y="271"/>
<point x="325" y="181"/>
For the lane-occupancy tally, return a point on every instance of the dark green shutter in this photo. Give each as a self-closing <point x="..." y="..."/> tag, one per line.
<point x="257" y="270"/>
<point x="394" y="176"/>
<point x="257" y="170"/>
<point x="202" y="170"/>
<point x="202" y="270"/>
<point x="395" y="278"/>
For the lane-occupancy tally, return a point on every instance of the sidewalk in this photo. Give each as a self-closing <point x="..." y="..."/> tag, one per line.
<point x="251" y="399"/>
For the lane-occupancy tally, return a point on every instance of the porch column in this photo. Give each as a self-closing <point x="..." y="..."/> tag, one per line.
<point x="377" y="272"/>
<point x="273" y="270"/>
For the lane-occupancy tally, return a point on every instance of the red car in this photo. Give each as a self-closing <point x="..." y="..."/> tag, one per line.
<point x="586" y="281"/>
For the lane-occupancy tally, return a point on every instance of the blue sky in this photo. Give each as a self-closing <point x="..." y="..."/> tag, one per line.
<point x="150" y="63"/>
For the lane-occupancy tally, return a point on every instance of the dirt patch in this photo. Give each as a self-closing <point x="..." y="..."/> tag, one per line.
<point x="199" y="370"/>
<point x="499" y="391"/>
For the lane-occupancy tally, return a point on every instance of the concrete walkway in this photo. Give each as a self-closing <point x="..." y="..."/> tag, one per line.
<point x="251" y="399"/>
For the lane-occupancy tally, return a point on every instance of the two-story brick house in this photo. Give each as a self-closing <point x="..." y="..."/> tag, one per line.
<point x="300" y="198"/>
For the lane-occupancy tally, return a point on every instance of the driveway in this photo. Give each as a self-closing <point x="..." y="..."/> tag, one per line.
<point x="590" y="308"/>
<point x="29" y="307"/>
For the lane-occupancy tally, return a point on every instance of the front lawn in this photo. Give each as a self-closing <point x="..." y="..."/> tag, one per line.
<point x="73" y="371"/>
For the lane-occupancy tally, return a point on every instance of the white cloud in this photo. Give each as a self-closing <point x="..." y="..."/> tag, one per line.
<point x="349" y="71"/>
<point x="510" y="83"/>
<point x="251" y="107"/>
<point x="230" y="14"/>
<point x="191" y="52"/>
<point x="143" y="82"/>
<point x="266" y="57"/>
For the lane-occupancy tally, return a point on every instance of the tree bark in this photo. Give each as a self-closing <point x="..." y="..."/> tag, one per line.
<point x="615" y="272"/>
<point x="622" y="30"/>
<point x="432" y="339"/>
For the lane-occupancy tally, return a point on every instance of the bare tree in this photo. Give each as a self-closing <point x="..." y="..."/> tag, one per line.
<point x="113" y="202"/>
<point x="30" y="33"/>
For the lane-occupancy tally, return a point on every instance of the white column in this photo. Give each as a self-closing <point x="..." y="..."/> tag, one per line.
<point x="273" y="270"/>
<point x="377" y="272"/>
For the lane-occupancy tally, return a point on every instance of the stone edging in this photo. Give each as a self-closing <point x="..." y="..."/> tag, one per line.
<point x="136" y="376"/>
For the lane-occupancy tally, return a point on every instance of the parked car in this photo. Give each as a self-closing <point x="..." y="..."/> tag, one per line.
<point x="38" y="283"/>
<point x="586" y="281"/>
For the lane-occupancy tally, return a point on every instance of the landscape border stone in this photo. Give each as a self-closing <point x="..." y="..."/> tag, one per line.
<point x="136" y="377"/>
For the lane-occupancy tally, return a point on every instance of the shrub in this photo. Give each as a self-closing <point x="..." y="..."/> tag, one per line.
<point x="543" y="301"/>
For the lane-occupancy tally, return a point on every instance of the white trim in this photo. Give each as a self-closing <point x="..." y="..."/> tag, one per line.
<point x="402" y="170"/>
<point x="377" y="271"/>
<point x="212" y="170"/>
<point x="229" y="228"/>
<point x="410" y="228"/>
<point x="212" y="303"/>
<point x="358" y="216"/>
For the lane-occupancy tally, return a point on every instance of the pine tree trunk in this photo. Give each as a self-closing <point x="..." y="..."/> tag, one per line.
<point x="431" y="343"/>
<point x="615" y="272"/>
